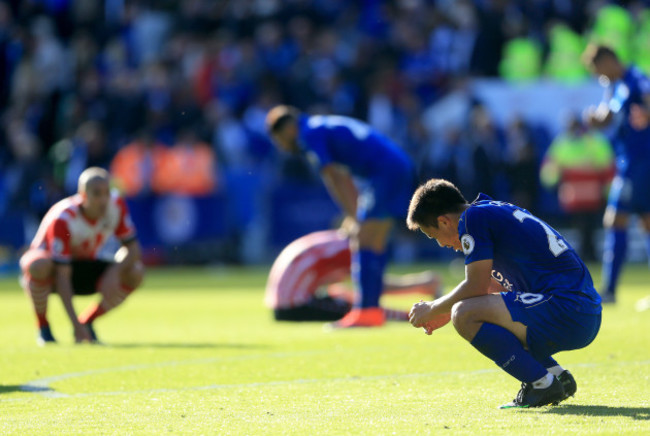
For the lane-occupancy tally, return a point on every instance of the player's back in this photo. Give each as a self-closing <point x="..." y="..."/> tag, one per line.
<point x="308" y="262"/>
<point x="529" y="256"/>
<point x="353" y="143"/>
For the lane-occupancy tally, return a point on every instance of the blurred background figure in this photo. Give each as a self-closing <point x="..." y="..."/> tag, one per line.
<point x="579" y="165"/>
<point x="473" y="91"/>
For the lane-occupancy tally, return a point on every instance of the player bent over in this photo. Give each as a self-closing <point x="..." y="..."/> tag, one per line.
<point x="63" y="256"/>
<point x="321" y="261"/>
<point x="549" y="303"/>
<point x="345" y="149"/>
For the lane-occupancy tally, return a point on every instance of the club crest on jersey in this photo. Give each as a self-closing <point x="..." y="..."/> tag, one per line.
<point x="57" y="246"/>
<point x="468" y="244"/>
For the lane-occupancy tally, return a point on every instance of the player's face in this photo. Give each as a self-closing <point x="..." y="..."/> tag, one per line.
<point x="446" y="234"/>
<point x="606" y="67"/>
<point x="286" y="139"/>
<point x="96" y="198"/>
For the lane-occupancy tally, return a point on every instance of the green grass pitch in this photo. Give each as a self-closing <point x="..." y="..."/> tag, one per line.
<point x="194" y="351"/>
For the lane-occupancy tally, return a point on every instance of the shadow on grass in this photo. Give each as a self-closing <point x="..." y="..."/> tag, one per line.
<point x="637" y="413"/>
<point x="184" y="345"/>
<point x="17" y="388"/>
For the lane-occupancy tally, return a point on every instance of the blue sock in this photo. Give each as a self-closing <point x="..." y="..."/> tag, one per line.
<point x="613" y="257"/>
<point x="505" y="350"/>
<point x="548" y="362"/>
<point x="368" y="276"/>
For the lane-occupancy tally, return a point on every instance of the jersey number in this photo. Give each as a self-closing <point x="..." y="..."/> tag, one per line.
<point x="555" y="244"/>
<point x="358" y="129"/>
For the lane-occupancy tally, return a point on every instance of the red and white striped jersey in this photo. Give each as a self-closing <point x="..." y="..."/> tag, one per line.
<point x="314" y="260"/>
<point x="67" y="234"/>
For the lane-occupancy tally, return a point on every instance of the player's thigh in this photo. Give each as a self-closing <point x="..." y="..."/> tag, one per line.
<point x="467" y="316"/>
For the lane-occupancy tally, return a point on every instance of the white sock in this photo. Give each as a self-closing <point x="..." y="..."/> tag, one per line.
<point x="544" y="382"/>
<point x="555" y="370"/>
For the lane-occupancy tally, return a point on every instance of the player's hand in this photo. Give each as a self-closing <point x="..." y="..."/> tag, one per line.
<point x="81" y="333"/>
<point x="639" y="117"/>
<point x="437" y="322"/>
<point x="420" y="313"/>
<point x="349" y="226"/>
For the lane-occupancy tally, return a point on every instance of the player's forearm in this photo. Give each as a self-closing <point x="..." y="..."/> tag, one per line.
<point x="64" y="289"/>
<point x="463" y="291"/>
<point x="341" y="187"/>
<point x="599" y="117"/>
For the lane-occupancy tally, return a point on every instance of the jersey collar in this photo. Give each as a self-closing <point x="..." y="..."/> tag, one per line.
<point x="482" y="197"/>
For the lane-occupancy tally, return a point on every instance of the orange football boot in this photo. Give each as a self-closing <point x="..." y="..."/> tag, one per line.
<point x="368" y="317"/>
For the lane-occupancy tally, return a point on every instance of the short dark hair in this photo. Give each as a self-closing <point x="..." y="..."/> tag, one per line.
<point x="280" y="116"/>
<point x="434" y="198"/>
<point x="595" y="53"/>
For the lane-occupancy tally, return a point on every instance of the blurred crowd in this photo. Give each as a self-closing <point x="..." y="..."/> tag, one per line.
<point x="171" y="95"/>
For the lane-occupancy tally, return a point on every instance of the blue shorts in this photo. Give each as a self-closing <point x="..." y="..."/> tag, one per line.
<point x="387" y="195"/>
<point x="629" y="193"/>
<point x="553" y="323"/>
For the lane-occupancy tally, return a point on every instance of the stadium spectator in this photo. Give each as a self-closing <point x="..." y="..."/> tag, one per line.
<point x="67" y="256"/>
<point x="305" y="281"/>
<point x="526" y="293"/>
<point x="626" y="109"/>
<point x="521" y="163"/>
<point x="341" y="148"/>
<point x="136" y="166"/>
<point x="151" y="65"/>
<point x="580" y="163"/>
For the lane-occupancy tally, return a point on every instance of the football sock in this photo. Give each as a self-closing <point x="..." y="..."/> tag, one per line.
<point x="91" y="313"/>
<point x="555" y="370"/>
<point x="551" y="366"/>
<point x="503" y="347"/>
<point x="647" y="247"/>
<point x="367" y="274"/>
<point x="39" y="291"/>
<point x="396" y="315"/>
<point x="544" y="382"/>
<point x="94" y="311"/>
<point x="613" y="257"/>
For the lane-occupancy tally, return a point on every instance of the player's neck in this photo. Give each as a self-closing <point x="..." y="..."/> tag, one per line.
<point x="86" y="214"/>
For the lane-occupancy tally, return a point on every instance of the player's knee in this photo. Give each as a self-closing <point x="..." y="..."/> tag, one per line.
<point x="462" y="316"/>
<point x="459" y="315"/>
<point x="40" y="269"/>
<point x="133" y="276"/>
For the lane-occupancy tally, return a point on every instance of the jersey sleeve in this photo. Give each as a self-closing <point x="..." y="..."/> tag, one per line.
<point x="58" y="241"/>
<point x="316" y="145"/>
<point x="125" y="230"/>
<point x="475" y="237"/>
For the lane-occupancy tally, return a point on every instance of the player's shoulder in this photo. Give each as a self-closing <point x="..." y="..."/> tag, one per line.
<point x="636" y="78"/>
<point x="65" y="209"/>
<point x="483" y="211"/>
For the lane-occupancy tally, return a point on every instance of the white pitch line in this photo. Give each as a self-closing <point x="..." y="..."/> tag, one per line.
<point x="41" y="386"/>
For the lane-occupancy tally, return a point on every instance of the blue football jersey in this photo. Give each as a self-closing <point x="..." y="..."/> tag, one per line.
<point x="631" y="146"/>
<point x="336" y="139"/>
<point x="529" y="256"/>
